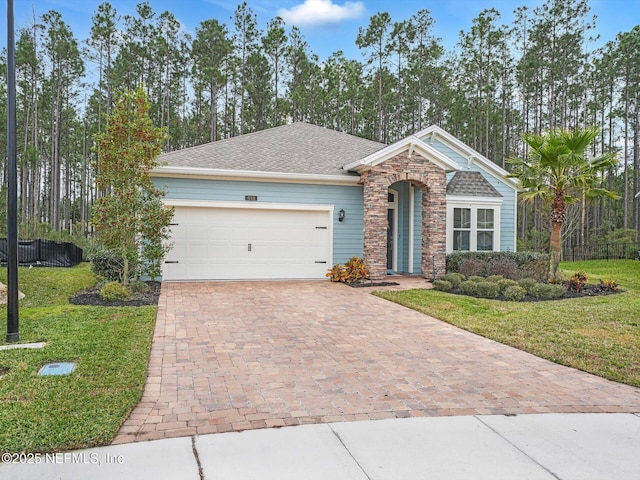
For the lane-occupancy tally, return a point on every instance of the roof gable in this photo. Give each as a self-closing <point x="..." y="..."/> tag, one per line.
<point x="411" y="143"/>
<point x="430" y="134"/>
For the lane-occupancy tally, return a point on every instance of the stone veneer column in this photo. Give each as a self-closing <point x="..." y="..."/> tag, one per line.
<point x="375" y="224"/>
<point x="434" y="220"/>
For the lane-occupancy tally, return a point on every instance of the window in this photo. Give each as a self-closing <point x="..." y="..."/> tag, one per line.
<point x="462" y="229"/>
<point x="473" y="224"/>
<point x="484" y="232"/>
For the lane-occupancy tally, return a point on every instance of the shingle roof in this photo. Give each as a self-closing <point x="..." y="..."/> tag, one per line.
<point x="294" y="148"/>
<point x="471" y="184"/>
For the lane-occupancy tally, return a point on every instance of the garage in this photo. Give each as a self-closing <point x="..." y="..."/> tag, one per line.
<point x="236" y="241"/>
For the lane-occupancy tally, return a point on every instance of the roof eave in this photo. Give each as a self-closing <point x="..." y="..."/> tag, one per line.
<point x="247" y="175"/>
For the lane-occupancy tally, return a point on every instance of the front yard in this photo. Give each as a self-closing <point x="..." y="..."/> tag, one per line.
<point x="109" y="345"/>
<point x="600" y="335"/>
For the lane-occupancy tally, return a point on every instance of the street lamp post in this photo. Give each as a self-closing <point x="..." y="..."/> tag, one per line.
<point x="13" y="334"/>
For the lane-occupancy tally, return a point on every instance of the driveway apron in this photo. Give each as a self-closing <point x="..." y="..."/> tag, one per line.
<point x="231" y="356"/>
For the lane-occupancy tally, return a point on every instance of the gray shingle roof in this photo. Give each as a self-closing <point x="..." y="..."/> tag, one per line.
<point x="471" y="184"/>
<point x="294" y="148"/>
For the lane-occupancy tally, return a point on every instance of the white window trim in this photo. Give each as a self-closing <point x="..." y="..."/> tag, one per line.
<point x="474" y="203"/>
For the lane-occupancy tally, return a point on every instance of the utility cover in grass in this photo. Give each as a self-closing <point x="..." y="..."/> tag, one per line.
<point x="64" y="368"/>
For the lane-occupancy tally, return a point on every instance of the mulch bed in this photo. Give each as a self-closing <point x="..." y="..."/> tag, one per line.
<point x="587" y="291"/>
<point x="370" y="284"/>
<point x="92" y="297"/>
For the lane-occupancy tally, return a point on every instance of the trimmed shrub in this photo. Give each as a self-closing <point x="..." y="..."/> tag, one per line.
<point x="442" y="285"/>
<point x="548" y="291"/>
<point x="106" y="263"/>
<point x="528" y="284"/>
<point x="114" y="291"/>
<point x="495" y="278"/>
<point x="514" y="293"/>
<point x="138" y="287"/>
<point x="473" y="267"/>
<point x="487" y="289"/>
<point x="469" y="287"/>
<point x="506" y="283"/>
<point x="505" y="267"/>
<point x="513" y="265"/>
<point x="454" y="278"/>
<point x="476" y="278"/>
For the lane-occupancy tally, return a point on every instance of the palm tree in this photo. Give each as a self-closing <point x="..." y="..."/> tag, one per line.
<point x="558" y="172"/>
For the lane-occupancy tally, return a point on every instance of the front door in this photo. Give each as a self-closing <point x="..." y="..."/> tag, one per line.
<point x="392" y="230"/>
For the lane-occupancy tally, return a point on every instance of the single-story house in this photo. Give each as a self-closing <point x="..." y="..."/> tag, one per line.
<point x="291" y="201"/>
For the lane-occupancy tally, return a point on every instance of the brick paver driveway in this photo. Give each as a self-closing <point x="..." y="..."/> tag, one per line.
<point x="241" y="355"/>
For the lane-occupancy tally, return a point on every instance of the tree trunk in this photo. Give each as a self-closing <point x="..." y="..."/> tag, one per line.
<point x="558" y="214"/>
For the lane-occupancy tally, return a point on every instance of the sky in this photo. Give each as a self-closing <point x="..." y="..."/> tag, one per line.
<point x="328" y="25"/>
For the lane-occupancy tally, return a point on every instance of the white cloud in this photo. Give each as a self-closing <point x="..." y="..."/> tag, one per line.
<point x="317" y="12"/>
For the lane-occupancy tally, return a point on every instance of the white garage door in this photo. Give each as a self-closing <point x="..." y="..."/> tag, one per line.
<point x="239" y="243"/>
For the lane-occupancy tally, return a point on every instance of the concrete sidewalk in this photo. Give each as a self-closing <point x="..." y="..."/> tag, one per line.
<point x="538" y="446"/>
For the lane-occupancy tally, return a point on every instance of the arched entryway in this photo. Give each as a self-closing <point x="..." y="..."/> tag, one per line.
<point x="430" y="180"/>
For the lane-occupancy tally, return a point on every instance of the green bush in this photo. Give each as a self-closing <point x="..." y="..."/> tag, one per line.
<point x="106" y="263"/>
<point x="454" y="278"/>
<point x="548" y="291"/>
<point x="469" y="287"/>
<point x="528" y="284"/>
<point x="513" y="265"/>
<point x="138" y="287"/>
<point x="476" y="278"/>
<point x="495" y="278"/>
<point x="487" y="289"/>
<point x="114" y="291"/>
<point x="506" y="283"/>
<point x="473" y="267"/>
<point x="514" y="293"/>
<point x="442" y="285"/>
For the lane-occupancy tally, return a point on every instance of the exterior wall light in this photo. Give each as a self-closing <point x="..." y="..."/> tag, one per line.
<point x="341" y="215"/>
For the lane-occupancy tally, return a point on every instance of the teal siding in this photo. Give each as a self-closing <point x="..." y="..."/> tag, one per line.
<point x="508" y="213"/>
<point x="348" y="236"/>
<point x="417" y="231"/>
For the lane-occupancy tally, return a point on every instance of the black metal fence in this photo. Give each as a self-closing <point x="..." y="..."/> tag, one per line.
<point x="601" y="251"/>
<point x="43" y="253"/>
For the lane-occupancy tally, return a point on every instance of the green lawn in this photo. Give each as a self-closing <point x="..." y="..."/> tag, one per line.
<point x="110" y="346"/>
<point x="600" y="335"/>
